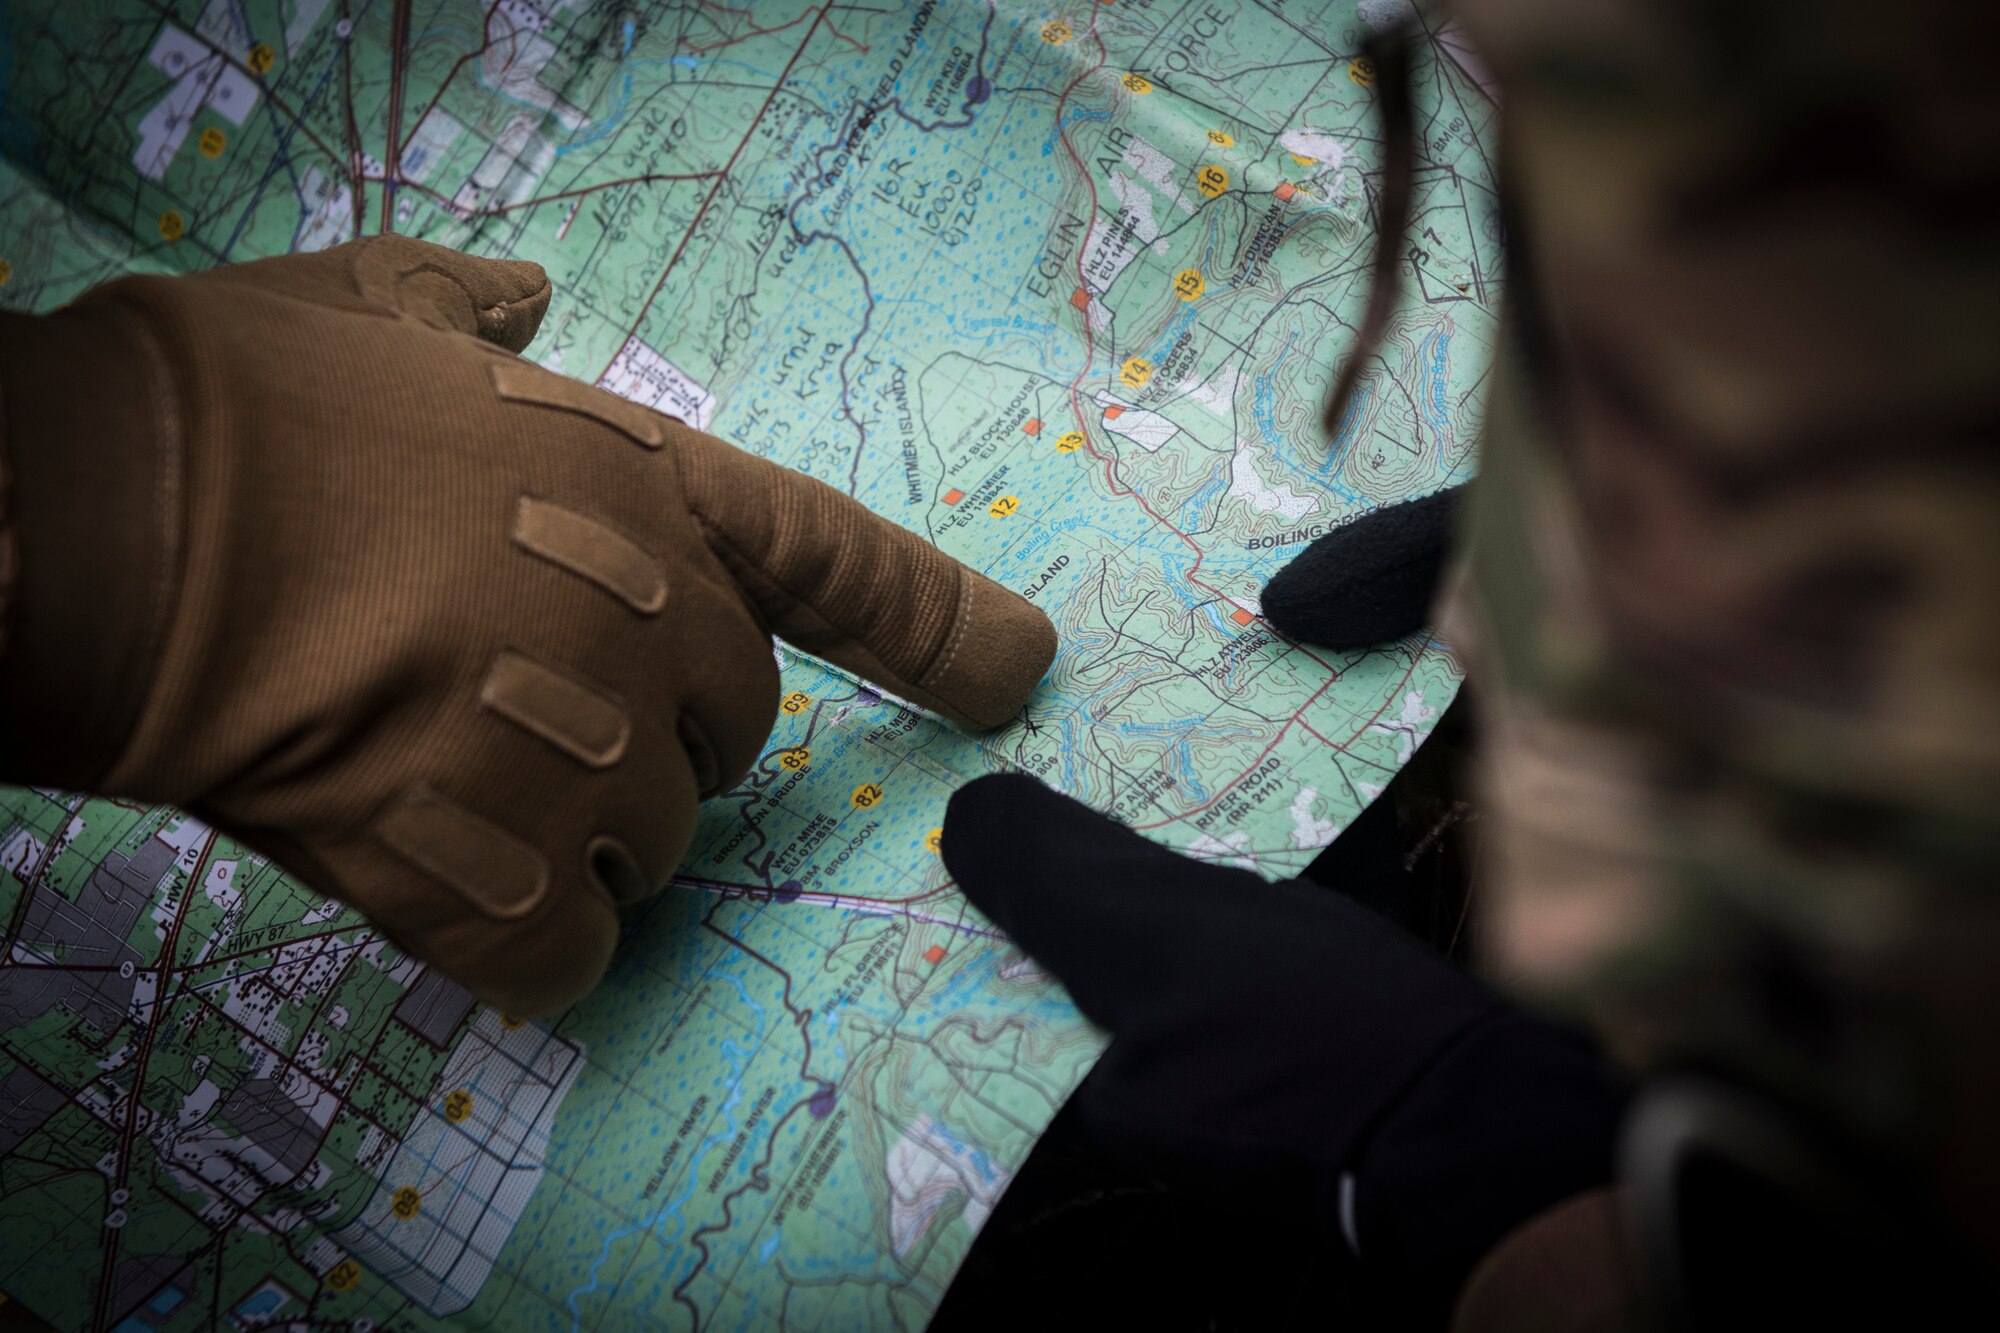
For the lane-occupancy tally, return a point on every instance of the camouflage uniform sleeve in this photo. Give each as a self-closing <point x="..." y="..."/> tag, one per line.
<point x="1730" y="594"/>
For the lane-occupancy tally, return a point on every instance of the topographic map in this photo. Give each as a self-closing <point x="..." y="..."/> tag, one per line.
<point x="1060" y="288"/>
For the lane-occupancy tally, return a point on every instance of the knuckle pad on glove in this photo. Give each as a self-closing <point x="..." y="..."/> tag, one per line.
<point x="523" y="382"/>
<point x="499" y="300"/>
<point x="576" y="717"/>
<point x="496" y="873"/>
<point x="539" y="934"/>
<point x="592" y="550"/>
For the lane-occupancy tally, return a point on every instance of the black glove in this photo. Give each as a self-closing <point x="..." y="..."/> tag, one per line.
<point x="1277" y="1042"/>
<point x="1367" y="581"/>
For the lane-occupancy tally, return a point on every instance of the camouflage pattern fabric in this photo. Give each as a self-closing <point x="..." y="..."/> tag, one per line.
<point x="1731" y="585"/>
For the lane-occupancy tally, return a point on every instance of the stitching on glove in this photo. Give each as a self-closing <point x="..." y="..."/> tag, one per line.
<point x="951" y="646"/>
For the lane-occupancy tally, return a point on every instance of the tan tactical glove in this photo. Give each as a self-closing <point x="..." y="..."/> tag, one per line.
<point x="307" y="549"/>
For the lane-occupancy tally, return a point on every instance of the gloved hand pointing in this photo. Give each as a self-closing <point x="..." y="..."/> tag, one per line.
<point x="1280" y="1044"/>
<point x="305" y="548"/>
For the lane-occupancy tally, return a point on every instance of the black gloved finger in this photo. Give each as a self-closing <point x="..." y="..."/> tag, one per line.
<point x="1221" y="988"/>
<point x="1369" y="580"/>
<point x="1279" y="1041"/>
<point x="1115" y="917"/>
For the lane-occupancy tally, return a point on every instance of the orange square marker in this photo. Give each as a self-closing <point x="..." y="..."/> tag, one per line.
<point x="1113" y="412"/>
<point x="1033" y="425"/>
<point x="953" y="496"/>
<point x="1285" y="191"/>
<point x="1241" y="617"/>
<point x="1080" y="299"/>
<point x="934" y="954"/>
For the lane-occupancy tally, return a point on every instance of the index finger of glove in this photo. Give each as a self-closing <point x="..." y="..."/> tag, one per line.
<point x="499" y="300"/>
<point x="840" y="581"/>
<point x="1119" y="920"/>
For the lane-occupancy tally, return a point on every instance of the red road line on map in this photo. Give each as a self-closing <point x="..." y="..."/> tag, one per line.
<point x="1090" y="339"/>
<point x="1373" y="717"/>
<point x="721" y="177"/>
<point x="392" y="164"/>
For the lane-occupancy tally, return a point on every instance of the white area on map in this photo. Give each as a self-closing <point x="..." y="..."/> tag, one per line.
<point x="1136" y="204"/>
<point x="1157" y="170"/>
<point x="515" y="55"/>
<point x="21" y="854"/>
<point x="217" y="884"/>
<point x="475" y="1176"/>
<point x="1324" y="149"/>
<point x="1218" y="392"/>
<point x="299" y="25"/>
<point x="1279" y="499"/>
<point x="1410" y="726"/>
<point x="1148" y="430"/>
<point x="1113" y="245"/>
<point x="184" y="836"/>
<point x="649" y="379"/>
<point x="326" y="207"/>
<point x="1021" y="969"/>
<point x="208" y="1158"/>
<point x="1308" y="829"/>
<point x="1326" y="154"/>
<point x="926" y="1165"/>
<point x="196" y="1105"/>
<point x="326" y="911"/>
<point x="514" y="162"/>
<point x="201" y="78"/>
<point x="145" y="989"/>
<point x="1228" y="850"/>
<point x="433" y="138"/>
